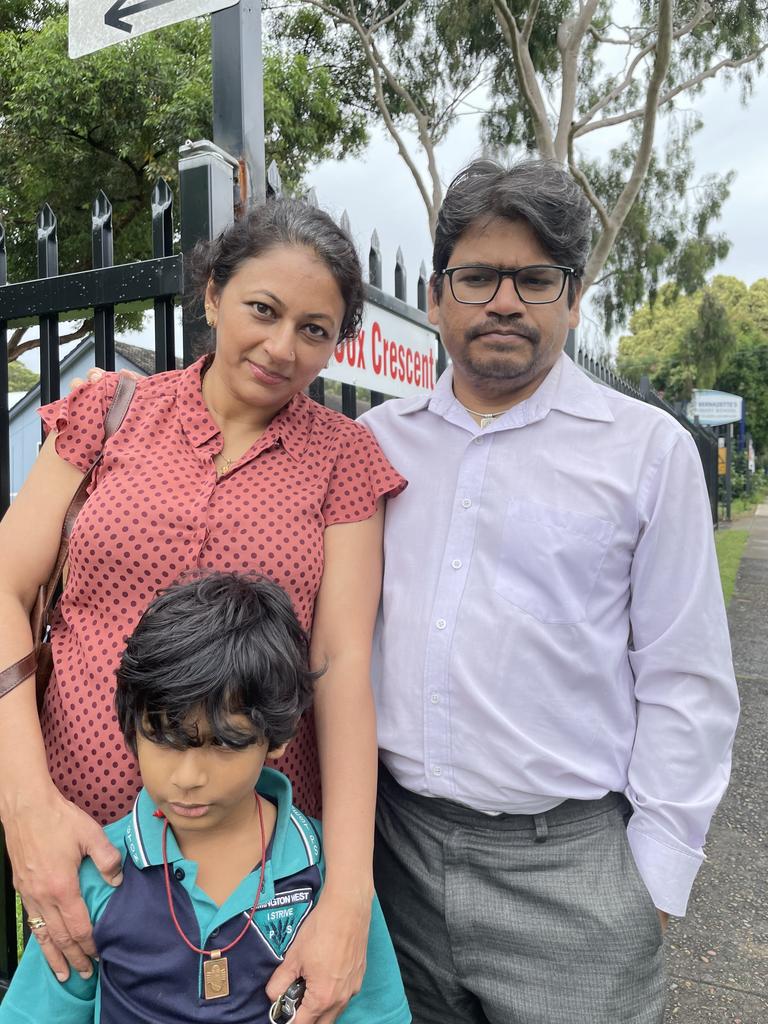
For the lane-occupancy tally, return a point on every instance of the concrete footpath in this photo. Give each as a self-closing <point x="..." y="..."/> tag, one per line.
<point x="717" y="957"/>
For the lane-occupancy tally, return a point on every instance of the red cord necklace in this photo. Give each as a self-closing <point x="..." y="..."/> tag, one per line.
<point x="215" y="970"/>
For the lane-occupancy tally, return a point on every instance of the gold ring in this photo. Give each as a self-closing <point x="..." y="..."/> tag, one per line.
<point x="35" y="923"/>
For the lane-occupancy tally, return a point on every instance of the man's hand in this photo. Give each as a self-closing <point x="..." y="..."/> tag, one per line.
<point x="664" y="918"/>
<point x="46" y="844"/>
<point x="329" y="953"/>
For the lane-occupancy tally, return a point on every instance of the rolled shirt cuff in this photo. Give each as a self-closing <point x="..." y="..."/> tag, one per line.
<point x="667" y="867"/>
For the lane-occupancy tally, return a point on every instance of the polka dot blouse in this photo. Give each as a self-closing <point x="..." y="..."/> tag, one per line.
<point x="156" y="509"/>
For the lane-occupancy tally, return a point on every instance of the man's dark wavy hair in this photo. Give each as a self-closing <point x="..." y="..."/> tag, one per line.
<point x="219" y="644"/>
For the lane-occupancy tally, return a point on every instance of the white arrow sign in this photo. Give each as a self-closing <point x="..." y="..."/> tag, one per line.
<point x="94" y="24"/>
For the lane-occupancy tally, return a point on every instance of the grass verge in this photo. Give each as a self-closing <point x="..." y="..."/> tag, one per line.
<point x="729" y="545"/>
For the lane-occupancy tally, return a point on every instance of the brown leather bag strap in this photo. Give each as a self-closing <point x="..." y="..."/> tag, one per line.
<point x="25" y="667"/>
<point x="17" y="673"/>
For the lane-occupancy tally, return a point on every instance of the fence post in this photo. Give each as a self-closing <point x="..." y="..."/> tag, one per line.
<point x="102" y="251"/>
<point x="238" y="94"/>
<point x="48" y="266"/>
<point x="206" y="179"/>
<point x="162" y="245"/>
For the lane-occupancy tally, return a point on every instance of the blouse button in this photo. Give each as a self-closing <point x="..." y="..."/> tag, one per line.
<point x="179" y="875"/>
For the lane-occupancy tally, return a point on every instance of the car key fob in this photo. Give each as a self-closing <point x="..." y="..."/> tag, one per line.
<point x="283" y="1010"/>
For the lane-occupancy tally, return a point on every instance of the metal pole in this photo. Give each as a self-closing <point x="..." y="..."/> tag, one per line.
<point x="728" y="469"/>
<point x="238" y="94"/>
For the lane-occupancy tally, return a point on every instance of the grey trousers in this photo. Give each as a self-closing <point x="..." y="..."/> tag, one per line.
<point x="515" y="919"/>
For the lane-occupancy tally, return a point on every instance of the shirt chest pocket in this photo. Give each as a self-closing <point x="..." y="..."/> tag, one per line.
<point x="550" y="559"/>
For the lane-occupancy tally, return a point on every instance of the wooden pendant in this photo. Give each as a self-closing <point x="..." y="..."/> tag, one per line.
<point x="215" y="976"/>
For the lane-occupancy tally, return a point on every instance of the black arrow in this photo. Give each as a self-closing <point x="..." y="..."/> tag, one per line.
<point x="118" y="11"/>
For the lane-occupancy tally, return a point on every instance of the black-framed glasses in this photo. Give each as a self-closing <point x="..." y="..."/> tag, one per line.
<point x="535" y="285"/>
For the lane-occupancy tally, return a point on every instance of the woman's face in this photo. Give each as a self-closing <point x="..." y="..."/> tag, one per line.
<point x="277" y="320"/>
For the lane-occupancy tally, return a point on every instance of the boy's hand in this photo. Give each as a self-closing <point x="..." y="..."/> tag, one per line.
<point x="329" y="953"/>
<point x="46" y="844"/>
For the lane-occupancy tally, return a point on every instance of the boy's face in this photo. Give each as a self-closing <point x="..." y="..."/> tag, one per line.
<point x="205" y="787"/>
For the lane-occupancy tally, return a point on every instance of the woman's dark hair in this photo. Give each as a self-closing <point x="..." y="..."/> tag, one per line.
<point x="223" y="644"/>
<point x="537" y="191"/>
<point x="279" y="222"/>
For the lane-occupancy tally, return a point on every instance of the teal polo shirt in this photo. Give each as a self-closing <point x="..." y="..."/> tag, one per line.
<point x="147" y="975"/>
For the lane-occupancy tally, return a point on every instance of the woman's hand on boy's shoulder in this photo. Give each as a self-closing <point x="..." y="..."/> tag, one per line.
<point x="46" y="845"/>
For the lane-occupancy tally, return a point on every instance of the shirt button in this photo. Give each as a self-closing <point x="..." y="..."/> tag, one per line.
<point x="435" y="698"/>
<point x="456" y="563"/>
<point x="437" y="770"/>
<point x="466" y="503"/>
<point x="478" y="440"/>
<point x="178" y="874"/>
<point x="441" y="623"/>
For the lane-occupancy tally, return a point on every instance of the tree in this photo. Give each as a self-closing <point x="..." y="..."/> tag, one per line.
<point x="115" y="120"/>
<point x="20" y="378"/>
<point x="558" y="73"/>
<point x="716" y="337"/>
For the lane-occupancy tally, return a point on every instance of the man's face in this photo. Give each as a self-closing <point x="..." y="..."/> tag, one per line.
<point x="502" y="349"/>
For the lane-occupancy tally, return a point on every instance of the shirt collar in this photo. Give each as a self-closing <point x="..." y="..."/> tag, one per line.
<point x="565" y="388"/>
<point x="292" y="424"/>
<point x="144" y="834"/>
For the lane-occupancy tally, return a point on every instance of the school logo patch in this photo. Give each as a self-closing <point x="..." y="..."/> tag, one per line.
<point x="278" y="920"/>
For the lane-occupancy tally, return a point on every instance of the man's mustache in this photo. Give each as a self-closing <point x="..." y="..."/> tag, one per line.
<point x="510" y="326"/>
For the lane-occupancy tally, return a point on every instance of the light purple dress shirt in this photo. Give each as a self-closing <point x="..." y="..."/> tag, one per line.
<point x="552" y="622"/>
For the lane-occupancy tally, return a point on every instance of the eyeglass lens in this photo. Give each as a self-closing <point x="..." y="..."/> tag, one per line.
<point x="534" y="284"/>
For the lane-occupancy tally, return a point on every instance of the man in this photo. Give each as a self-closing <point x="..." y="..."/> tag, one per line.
<point x="555" y="693"/>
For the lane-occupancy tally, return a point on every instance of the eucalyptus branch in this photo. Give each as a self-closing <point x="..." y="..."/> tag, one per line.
<point x="526" y="77"/>
<point x="569" y="40"/>
<point x="702" y="12"/>
<point x="690" y="83"/>
<point x="529" y="22"/>
<point x="17" y="348"/>
<point x="586" y="187"/>
<point x="645" y="150"/>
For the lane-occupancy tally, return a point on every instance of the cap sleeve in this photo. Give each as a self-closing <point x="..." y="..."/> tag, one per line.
<point x="78" y="421"/>
<point x="360" y="477"/>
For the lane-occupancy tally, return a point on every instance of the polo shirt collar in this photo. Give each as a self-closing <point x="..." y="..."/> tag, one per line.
<point x="292" y="424"/>
<point x="565" y="389"/>
<point x="144" y="833"/>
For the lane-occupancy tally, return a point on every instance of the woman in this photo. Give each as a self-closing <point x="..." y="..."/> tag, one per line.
<point x="224" y="465"/>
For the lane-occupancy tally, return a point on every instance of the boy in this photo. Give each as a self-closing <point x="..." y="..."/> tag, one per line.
<point x="212" y="681"/>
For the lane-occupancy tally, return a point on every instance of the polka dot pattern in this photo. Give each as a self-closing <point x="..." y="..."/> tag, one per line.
<point x="156" y="509"/>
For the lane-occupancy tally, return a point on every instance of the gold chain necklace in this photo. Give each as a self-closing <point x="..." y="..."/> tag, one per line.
<point x="225" y="466"/>
<point x="485" y="417"/>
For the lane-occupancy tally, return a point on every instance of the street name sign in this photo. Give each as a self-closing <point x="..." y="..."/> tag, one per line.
<point x="714" y="408"/>
<point x="94" y="24"/>
<point x="391" y="354"/>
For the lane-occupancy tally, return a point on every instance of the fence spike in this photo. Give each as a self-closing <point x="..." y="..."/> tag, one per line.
<point x="401" y="277"/>
<point x="101" y="231"/>
<point x="162" y="219"/>
<point x="344" y="223"/>
<point x="421" y="288"/>
<point x="374" y="261"/>
<point x="274" y="183"/>
<point x="101" y="208"/>
<point x="47" y="243"/>
<point x="162" y="196"/>
<point x="3" y="257"/>
<point x="310" y="198"/>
